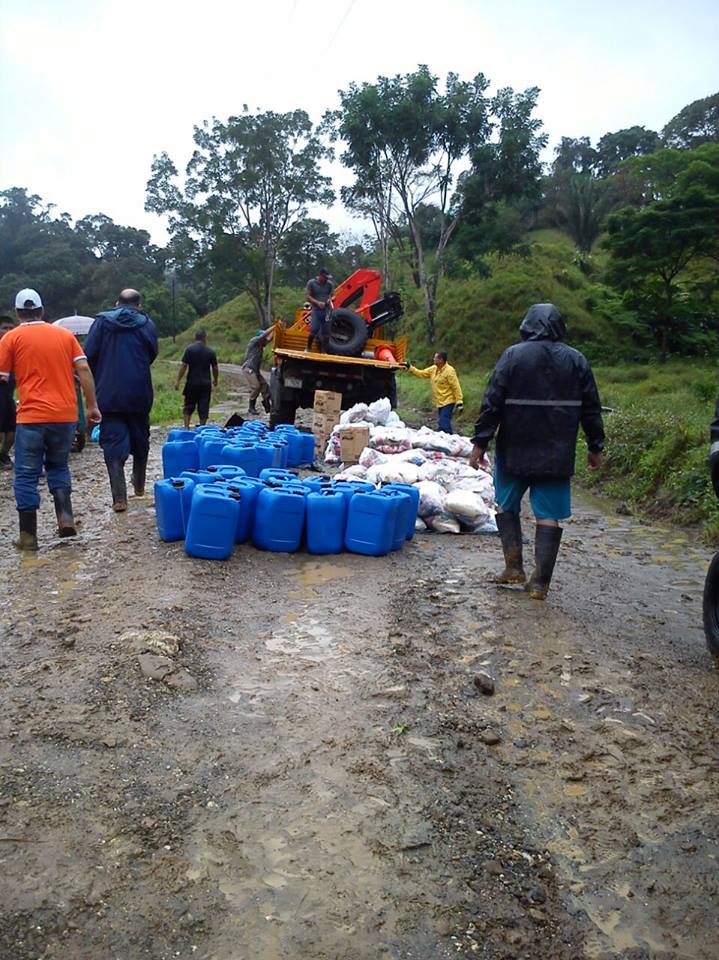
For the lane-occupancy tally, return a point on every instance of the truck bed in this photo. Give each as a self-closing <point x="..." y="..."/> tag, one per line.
<point x="290" y="344"/>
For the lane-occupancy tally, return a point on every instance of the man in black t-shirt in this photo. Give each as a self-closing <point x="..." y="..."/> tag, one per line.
<point x="199" y="361"/>
<point x="319" y="293"/>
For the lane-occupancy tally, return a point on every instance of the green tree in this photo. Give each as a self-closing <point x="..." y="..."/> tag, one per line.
<point x="581" y="207"/>
<point x="307" y="246"/>
<point x="613" y="148"/>
<point x="406" y="142"/>
<point x="694" y="125"/>
<point x="652" y="249"/>
<point x="249" y="179"/>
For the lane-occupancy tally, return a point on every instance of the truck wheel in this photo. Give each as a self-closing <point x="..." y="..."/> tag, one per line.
<point x="711" y="606"/>
<point x="348" y="333"/>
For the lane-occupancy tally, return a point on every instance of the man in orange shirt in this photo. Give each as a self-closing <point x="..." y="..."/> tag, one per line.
<point x="43" y="358"/>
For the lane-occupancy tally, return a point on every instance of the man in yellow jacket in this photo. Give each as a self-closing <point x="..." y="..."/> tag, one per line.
<point x="446" y="391"/>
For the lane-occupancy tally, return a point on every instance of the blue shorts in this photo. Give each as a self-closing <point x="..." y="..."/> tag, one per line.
<point x="549" y="497"/>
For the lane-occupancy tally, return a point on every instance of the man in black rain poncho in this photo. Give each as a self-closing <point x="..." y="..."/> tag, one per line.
<point x="539" y="393"/>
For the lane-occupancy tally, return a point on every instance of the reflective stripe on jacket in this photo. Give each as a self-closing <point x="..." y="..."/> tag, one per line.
<point x="538" y="395"/>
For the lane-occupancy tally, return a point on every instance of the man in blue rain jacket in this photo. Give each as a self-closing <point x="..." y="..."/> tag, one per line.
<point x="121" y="347"/>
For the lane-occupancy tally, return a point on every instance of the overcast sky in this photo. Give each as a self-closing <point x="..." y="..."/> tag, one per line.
<point x="91" y="89"/>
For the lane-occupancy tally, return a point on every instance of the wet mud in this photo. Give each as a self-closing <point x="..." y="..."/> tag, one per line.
<point x="325" y="781"/>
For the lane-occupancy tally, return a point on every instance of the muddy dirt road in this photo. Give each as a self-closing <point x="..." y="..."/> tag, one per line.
<point x="317" y="776"/>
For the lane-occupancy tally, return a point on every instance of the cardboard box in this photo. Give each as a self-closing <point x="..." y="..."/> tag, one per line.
<point x="328" y="403"/>
<point x="353" y="440"/>
<point x="322" y="426"/>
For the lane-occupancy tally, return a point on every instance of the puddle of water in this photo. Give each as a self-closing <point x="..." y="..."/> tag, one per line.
<point x="317" y="573"/>
<point x="305" y="637"/>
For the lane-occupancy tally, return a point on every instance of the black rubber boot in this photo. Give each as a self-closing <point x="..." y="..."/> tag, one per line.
<point x="266" y="404"/>
<point x="63" y="511"/>
<point x="510" y="532"/>
<point x="28" y="530"/>
<point x="546" y="548"/>
<point x="118" y="486"/>
<point x="252" y="408"/>
<point x="139" y="471"/>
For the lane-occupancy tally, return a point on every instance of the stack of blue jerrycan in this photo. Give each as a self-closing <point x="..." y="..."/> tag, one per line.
<point x="223" y="487"/>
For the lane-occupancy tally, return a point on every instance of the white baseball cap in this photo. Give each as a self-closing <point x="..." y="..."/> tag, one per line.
<point x="28" y="299"/>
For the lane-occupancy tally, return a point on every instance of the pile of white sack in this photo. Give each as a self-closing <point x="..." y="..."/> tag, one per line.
<point x="453" y="497"/>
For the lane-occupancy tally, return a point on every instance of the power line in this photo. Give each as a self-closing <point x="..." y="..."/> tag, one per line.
<point x="348" y="11"/>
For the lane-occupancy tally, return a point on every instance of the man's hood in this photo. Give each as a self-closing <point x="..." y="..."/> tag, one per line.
<point x="125" y="317"/>
<point x="543" y="322"/>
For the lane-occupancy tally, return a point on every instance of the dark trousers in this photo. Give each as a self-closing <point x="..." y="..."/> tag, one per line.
<point x="444" y="418"/>
<point x="38" y="446"/>
<point x="122" y="434"/>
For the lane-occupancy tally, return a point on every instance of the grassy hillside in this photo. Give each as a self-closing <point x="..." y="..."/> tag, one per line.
<point x="477" y="317"/>
<point x="231" y="326"/>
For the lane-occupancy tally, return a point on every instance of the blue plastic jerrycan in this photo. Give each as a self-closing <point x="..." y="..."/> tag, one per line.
<point x="317" y="483"/>
<point x="404" y="508"/>
<point x="244" y="455"/>
<point x="212" y="526"/>
<point x="348" y="488"/>
<point x="211" y="450"/>
<point x="410" y="513"/>
<point x="308" y="449"/>
<point x="326" y="521"/>
<point x="179" y="433"/>
<point x="294" y="444"/>
<point x="371" y="523"/>
<point x="274" y="473"/>
<point x="279" y="519"/>
<point x="173" y="500"/>
<point x="178" y="455"/>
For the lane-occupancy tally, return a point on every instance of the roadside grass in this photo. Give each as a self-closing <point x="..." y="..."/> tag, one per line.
<point x="657" y="447"/>
<point x="167" y="406"/>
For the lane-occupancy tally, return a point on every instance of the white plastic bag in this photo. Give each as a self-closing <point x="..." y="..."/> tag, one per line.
<point x="356" y="413"/>
<point x="468" y="507"/>
<point x="355" y="472"/>
<point x="370" y="458"/>
<point x="379" y="411"/>
<point x="431" y="498"/>
<point x="443" y="523"/>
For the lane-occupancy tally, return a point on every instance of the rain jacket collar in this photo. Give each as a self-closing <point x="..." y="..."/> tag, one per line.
<point x="543" y="322"/>
<point x="126" y="317"/>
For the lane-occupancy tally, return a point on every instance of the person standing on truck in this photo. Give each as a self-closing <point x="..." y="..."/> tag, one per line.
<point x="319" y="293"/>
<point x="7" y="406"/>
<point x="539" y="393"/>
<point x="446" y="391"/>
<point x="252" y="370"/>
<point x="200" y="363"/>
<point x="121" y="347"/>
<point x="44" y="359"/>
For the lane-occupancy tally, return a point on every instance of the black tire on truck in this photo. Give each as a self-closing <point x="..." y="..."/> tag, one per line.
<point x="348" y="333"/>
<point x="711" y="606"/>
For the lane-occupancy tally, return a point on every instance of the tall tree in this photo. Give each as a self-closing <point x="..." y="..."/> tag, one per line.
<point x="249" y="179"/>
<point x="652" y="248"/>
<point x="613" y="148"/>
<point x="307" y="246"/>
<point x="695" y="124"/>
<point x="406" y="141"/>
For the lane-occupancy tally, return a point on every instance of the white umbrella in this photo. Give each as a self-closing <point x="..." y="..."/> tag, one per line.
<point x="78" y="325"/>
